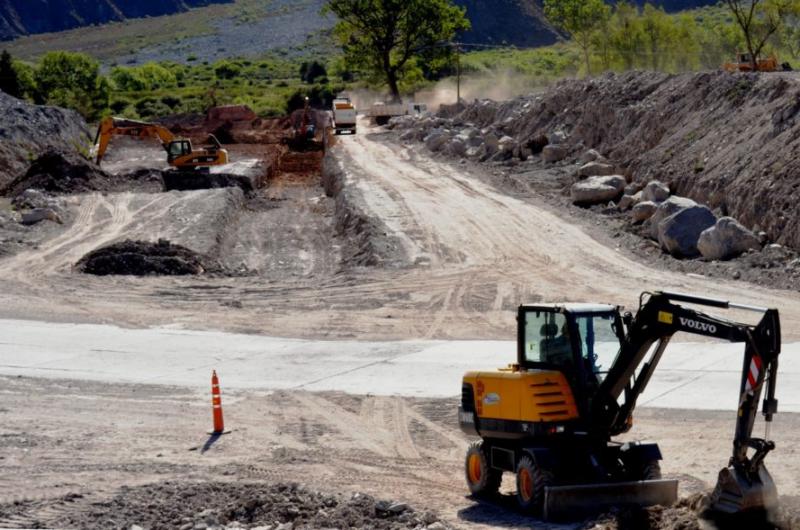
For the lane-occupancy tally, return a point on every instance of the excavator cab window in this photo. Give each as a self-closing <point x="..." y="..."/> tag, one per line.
<point x="547" y="339"/>
<point x="599" y="341"/>
<point x="178" y="149"/>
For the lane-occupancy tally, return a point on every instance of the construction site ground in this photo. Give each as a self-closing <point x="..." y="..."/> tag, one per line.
<point x="458" y="256"/>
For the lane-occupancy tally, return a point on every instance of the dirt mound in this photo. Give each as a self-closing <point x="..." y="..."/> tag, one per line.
<point x="725" y="140"/>
<point x="221" y="505"/>
<point x="28" y="130"/>
<point x="65" y="172"/>
<point x="200" y="180"/>
<point x="143" y="258"/>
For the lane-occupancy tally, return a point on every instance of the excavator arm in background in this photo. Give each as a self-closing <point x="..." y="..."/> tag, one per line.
<point x="745" y="483"/>
<point x="180" y="153"/>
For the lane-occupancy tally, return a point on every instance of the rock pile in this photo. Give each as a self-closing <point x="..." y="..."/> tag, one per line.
<point x="65" y="172"/>
<point x="143" y="258"/>
<point x="725" y="141"/>
<point x="28" y="130"/>
<point x="218" y="506"/>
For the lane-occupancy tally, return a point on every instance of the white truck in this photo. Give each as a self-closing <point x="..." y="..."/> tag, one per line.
<point x="381" y="112"/>
<point x="344" y="115"/>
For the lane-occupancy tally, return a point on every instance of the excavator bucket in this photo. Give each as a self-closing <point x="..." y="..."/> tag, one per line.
<point x="567" y="502"/>
<point x="736" y="493"/>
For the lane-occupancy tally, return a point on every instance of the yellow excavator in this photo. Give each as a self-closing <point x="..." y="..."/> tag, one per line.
<point x="550" y="418"/>
<point x="180" y="153"/>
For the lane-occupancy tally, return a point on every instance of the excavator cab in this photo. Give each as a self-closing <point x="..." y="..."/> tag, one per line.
<point x="177" y="149"/>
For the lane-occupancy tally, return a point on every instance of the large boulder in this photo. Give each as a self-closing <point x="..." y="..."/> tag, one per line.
<point x="665" y="209"/>
<point x="590" y="156"/>
<point x="40" y="214"/>
<point x="726" y="239"/>
<point x="596" y="169"/>
<point x="679" y="233"/>
<point x="655" y="191"/>
<point x="597" y="190"/>
<point x="554" y="153"/>
<point x="436" y="140"/>
<point x="456" y="147"/>
<point x="629" y="201"/>
<point x="643" y="211"/>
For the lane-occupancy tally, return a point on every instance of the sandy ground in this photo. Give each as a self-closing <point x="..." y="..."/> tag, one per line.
<point x="476" y="254"/>
<point x="471" y="254"/>
<point x="89" y="440"/>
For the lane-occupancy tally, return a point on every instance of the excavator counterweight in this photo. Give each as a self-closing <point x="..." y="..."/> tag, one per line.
<point x="550" y="418"/>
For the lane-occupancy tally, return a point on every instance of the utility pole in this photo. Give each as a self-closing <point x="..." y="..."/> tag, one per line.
<point x="458" y="73"/>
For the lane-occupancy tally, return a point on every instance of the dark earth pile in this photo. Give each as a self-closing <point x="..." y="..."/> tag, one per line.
<point x="143" y="258"/>
<point x="690" y="513"/>
<point x="67" y="172"/>
<point x="201" y="180"/>
<point x="196" y="505"/>
<point x="725" y="140"/>
<point x="28" y="130"/>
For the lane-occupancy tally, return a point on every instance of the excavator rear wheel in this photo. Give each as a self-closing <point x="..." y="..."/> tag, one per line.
<point x="531" y="482"/>
<point x="482" y="479"/>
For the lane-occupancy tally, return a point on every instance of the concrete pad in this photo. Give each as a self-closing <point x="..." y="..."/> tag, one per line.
<point x="691" y="375"/>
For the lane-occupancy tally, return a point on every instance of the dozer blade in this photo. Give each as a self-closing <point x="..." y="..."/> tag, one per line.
<point x="736" y="493"/>
<point x="568" y="502"/>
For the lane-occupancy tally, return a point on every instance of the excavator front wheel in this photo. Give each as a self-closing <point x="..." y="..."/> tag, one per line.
<point x="531" y="484"/>
<point x="482" y="479"/>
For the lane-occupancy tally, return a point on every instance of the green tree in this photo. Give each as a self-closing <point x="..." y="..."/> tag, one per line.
<point x="227" y="70"/>
<point x="758" y="21"/>
<point x="659" y="33"/>
<point x="626" y="35"/>
<point x="579" y="18"/>
<point x="27" y="83"/>
<point x="149" y="76"/>
<point x="310" y="72"/>
<point x="384" y="37"/>
<point x="72" y="80"/>
<point x="9" y="80"/>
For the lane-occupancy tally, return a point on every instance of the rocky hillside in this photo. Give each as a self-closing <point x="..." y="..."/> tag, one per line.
<point x="725" y="140"/>
<point x="25" y="17"/>
<point x="26" y="131"/>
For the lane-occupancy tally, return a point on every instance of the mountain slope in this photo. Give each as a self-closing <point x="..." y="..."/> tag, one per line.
<point x="24" y="17"/>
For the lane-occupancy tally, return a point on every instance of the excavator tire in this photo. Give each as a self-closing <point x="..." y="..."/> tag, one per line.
<point x="531" y="483"/>
<point x="482" y="479"/>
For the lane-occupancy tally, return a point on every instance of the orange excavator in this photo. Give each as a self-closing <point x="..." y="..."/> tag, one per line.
<point x="180" y="153"/>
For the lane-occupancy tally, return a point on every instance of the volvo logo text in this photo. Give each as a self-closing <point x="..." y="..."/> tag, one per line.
<point x="699" y="326"/>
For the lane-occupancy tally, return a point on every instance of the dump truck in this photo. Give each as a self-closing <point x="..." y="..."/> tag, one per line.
<point x="381" y="112"/>
<point x="344" y="115"/>
<point x="551" y="417"/>
<point x="743" y="63"/>
<point x="180" y="152"/>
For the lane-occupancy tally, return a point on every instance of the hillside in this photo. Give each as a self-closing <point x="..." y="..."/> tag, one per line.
<point x="25" y="17"/>
<point x="113" y="30"/>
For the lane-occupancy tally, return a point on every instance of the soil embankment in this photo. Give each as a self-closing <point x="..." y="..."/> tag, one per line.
<point x="726" y="140"/>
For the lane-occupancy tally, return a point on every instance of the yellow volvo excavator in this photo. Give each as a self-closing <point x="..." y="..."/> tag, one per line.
<point x="551" y="417"/>
<point x="180" y="153"/>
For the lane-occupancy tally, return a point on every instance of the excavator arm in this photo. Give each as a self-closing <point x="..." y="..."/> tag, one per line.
<point x="745" y="483"/>
<point x="110" y="127"/>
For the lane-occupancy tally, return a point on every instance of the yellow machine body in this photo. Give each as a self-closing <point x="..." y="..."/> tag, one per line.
<point x="514" y="395"/>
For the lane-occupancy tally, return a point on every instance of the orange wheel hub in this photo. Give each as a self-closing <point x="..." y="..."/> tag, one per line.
<point x="474" y="467"/>
<point x="525" y="484"/>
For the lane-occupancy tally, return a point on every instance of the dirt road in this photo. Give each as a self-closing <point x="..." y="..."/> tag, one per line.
<point x="473" y="254"/>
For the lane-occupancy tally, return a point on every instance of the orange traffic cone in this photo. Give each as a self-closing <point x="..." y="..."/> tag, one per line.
<point x="216" y="405"/>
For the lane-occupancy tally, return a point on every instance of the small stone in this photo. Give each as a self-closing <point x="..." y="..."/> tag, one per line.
<point x="596" y="169"/>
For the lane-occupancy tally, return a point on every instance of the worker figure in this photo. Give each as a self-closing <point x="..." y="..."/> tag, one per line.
<point x="556" y="349"/>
